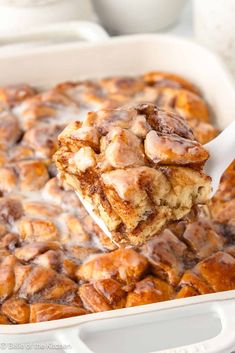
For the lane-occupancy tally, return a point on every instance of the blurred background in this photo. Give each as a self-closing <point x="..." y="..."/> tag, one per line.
<point x="29" y="23"/>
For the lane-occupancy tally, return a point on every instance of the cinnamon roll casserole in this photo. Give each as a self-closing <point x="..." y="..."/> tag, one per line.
<point x="54" y="261"/>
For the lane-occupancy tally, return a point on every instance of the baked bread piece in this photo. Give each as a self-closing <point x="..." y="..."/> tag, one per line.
<point x="166" y="254"/>
<point x="46" y="107"/>
<point x="165" y="79"/>
<point x="185" y="103"/>
<point x="12" y="95"/>
<point x="125" y="265"/>
<point x="214" y="274"/>
<point x="42" y="139"/>
<point x="9" y="130"/>
<point x="28" y="175"/>
<point x="222" y="206"/>
<point x="86" y="94"/>
<point x="140" y="167"/>
<point x="203" y="132"/>
<point x="150" y="290"/>
<point x="171" y="253"/>
<point x="102" y="295"/>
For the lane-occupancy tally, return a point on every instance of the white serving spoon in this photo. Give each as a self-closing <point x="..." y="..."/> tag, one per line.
<point x="88" y="207"/>
<point x="222" y="153"/>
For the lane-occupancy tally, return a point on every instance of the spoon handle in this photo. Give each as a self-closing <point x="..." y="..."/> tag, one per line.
<point x="222" y="153"/>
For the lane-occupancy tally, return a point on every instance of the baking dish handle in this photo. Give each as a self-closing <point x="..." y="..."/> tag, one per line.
<point x="57" y="32"/>
<point x="70" y="338"/>
<point x="224" y="342"/>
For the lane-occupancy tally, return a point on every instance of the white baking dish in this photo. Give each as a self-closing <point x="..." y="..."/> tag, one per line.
<point x="199" y="324"/>
<point x="52" y="34"/>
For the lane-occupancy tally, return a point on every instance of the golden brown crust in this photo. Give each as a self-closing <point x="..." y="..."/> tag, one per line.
<point x="124" y="265"/>
<point x="7" y="278"/>
<point x="29" y="251"/>
<point x="186" y="292"/>
<point x="214" y="274"/>
<point x="166" y="254"/>
<point x="185" y="103"/>
<point x="11" y="209"/>
<point x="102" y="295"/>
<point x="219" y="271"/>
<point x="31" y="228"/>
<point x="150" y="290"/>
<point x="17" y="310"/>
<point x="14" y="94"/>
<point x="92" y="300"/>
<point x="112" y="291"/>
<point x="9" y="130"/>
<point x="4" y="320"/>
<point x="178" y="100"/>
<point x="43" y="139"/>
<point x="46" y="312"/>
<point x="192" y="279"/>
<point x="83" y="93"/>
<point x="46" y="107"/>
<point x="165" y="79"/>
<point x="203" y="239"/>
<point x="222" y="205"/>
<point x="203" y="132"/>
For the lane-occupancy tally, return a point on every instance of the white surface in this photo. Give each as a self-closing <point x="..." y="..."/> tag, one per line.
<point x="214" y="23"/>
<point x="52" y="34"/>
<point x="184" y="26"/>
<point x="13" y="25"/>
<point x="137" y="16"/>
<point x="118" y="56"/>
<point x="27" y="2"/>
<point x="100" y="337"/>
<point x="16" y="19"/>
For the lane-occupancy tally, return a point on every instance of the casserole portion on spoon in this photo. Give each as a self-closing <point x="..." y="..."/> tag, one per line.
<point x="135" y="169"/>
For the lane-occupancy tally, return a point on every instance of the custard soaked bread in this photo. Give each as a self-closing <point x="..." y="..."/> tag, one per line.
<point x="140" y="167"/>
